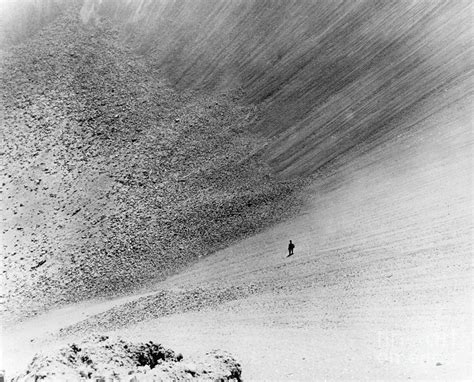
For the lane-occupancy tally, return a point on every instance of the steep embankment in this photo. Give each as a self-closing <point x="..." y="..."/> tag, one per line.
<point x="336" y="77"/>
<point x="111" y="179"/>
<point x="372" y="99"/>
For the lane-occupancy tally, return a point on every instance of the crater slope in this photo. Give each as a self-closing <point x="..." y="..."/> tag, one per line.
<point x="111" y="179"/>
<point x="174" y="147"/>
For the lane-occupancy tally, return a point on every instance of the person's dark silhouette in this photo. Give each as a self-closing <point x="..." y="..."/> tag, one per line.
<point x="291" y="246"/>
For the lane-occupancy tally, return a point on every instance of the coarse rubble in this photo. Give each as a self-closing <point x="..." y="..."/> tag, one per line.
<point x="113" y="180"/>
<point x="101" y="358"/>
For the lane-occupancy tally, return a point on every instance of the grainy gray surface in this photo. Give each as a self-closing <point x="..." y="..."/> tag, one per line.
<point x="161" y="154"/>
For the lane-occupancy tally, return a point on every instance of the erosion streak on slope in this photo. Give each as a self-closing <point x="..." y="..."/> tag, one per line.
<point x="335" y="76"/>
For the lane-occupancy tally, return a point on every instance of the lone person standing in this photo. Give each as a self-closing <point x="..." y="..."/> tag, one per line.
<point x="291" y="246"/>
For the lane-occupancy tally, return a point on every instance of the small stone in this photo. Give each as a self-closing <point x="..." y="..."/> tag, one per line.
<point x="190" y="368"/>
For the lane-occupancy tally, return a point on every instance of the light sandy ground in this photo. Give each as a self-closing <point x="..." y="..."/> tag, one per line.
<point x="379" y="287"/>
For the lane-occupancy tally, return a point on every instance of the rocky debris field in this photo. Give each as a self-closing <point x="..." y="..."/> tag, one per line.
<point x="101" y="358"/>
<point x="111" y="179"/>
<point x="163" y="304"/>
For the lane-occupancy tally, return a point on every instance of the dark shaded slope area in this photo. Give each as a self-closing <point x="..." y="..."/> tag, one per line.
<point x="111" y="179"/>
<point x="336" y="77"/>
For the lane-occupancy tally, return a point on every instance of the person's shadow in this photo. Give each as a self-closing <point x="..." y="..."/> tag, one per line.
<point x="290" y="254"/>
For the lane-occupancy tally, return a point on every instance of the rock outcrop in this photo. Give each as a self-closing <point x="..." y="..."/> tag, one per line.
<point x="101" y="359"/>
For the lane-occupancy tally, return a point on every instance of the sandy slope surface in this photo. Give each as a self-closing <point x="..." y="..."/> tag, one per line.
<point x="379" y="287"/>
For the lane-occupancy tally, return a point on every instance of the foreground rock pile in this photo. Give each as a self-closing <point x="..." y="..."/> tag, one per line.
<point x="111" y="179"/>
<point x="103" y="359"/>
